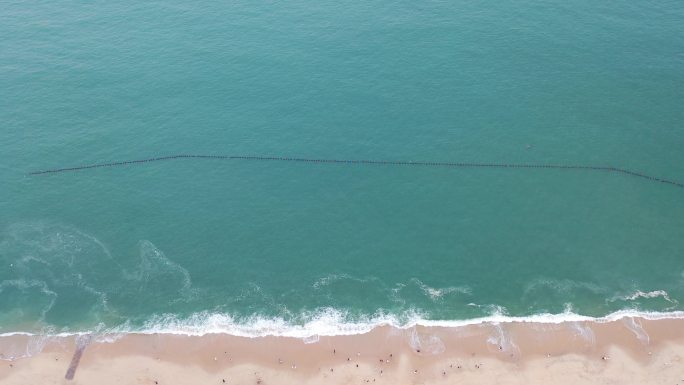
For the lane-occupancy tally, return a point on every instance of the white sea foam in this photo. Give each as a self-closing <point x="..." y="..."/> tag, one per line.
<point x="155" y="267"/>
<point x="48" y="257"/>
<point x="330" y="322"/>
<point x="634" y="325"/>
<point x="583" y="331"/>
<point x="561" y="286"/>
<point x="436" y="293"/>
<point x="401" y="290"/>
<point x="24" y="284"/>
<point x="34" y="344"/>
<point x="425" y="343"/>
<point x="326" y="322"/>
<point x="502" y="341"/>
<point x="332" y="278"/>
<point x="649" y="294"/>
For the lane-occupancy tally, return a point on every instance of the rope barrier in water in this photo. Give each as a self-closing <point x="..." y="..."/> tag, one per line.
<point x="363" y="162"/>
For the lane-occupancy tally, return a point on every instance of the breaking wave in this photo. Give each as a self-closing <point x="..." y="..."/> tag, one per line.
<point x="645" y="295"/>
<point x="332" y="322"/>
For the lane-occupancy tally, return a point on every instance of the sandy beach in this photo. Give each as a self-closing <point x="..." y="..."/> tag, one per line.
<point x="627" y="351"/>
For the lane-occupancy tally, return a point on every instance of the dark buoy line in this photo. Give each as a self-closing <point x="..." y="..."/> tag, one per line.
<point x="363" y="162"/>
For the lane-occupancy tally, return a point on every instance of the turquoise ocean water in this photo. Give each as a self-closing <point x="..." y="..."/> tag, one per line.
<point x="259" y="247"/>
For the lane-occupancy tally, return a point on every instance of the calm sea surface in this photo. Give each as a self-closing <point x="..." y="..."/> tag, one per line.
<point x="269" y="245"/>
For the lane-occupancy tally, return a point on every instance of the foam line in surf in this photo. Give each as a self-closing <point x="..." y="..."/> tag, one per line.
<point x="332" y="323"/>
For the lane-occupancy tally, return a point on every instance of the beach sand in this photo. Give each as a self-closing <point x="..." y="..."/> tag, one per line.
<point x="626" y="351"/>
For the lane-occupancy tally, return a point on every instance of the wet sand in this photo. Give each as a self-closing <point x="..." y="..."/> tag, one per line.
<point x="627" y="351"/>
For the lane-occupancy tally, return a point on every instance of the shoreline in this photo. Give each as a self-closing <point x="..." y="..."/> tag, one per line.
<point x="629" y="350"/>
<point x="329" y="324"/>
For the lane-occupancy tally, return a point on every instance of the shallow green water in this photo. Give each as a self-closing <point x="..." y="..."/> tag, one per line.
<point x="508" y="82"/>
